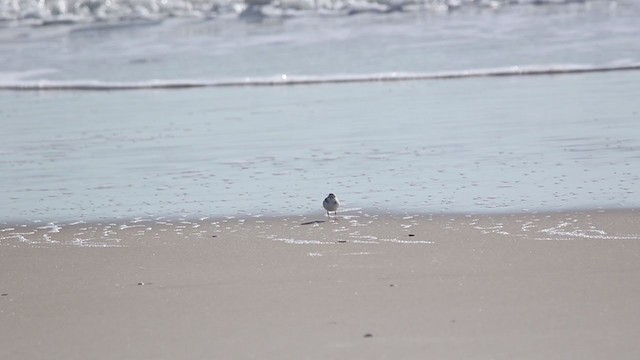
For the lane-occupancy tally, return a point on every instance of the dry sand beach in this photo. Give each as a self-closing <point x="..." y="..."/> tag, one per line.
<point x="521" y="286"/>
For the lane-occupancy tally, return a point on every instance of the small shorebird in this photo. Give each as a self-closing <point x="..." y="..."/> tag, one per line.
<point x="331" y="203"/>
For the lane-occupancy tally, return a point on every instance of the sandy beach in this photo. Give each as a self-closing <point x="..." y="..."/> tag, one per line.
<point x="521" y="286"/>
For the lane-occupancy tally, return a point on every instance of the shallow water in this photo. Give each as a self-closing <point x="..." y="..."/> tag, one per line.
<point x="473" y="145"/>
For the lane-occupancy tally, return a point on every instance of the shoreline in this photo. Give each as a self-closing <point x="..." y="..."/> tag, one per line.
<point x="43" y="227"/>
<point x="357" y="227"/>
<point x="351" y="211"/>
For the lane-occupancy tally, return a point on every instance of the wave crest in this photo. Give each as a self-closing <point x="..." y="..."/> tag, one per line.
<point x="38" y="12"/>
<point x="15" y="83"/>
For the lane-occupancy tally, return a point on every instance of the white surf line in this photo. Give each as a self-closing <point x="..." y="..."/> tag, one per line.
<point x="301" y="242"/>
<point x="285" y="80"/>
<point x="561" y="232"/>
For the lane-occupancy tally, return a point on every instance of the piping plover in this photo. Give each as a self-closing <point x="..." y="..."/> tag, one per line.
<point x="331" y="203"/>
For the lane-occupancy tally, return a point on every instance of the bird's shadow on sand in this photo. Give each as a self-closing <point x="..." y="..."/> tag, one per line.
<point x="313" y="222"/>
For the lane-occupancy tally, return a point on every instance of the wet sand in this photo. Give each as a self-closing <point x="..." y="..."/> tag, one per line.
<point x="514" y="286"/>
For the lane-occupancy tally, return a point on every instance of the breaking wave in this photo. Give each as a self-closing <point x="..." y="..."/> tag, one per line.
<point x="14" y="83"/>
<point x="39" y="12"/>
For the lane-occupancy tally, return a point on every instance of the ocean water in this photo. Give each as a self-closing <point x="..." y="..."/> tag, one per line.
<point x="136" y="109"/>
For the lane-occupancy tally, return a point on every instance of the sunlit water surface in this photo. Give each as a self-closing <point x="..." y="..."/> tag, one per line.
<point x="486" y="144"/>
